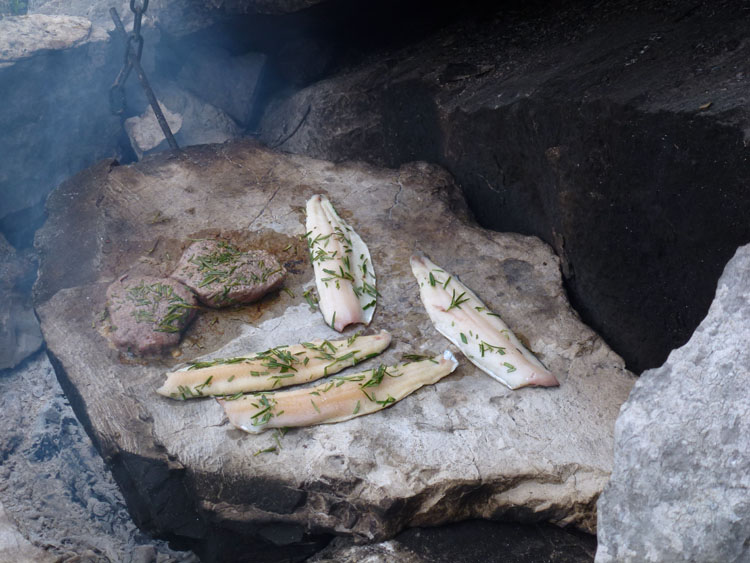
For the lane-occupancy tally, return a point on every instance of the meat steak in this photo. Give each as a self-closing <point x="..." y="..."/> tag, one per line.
<point x="221" y="275"/>
<point x="148" y="314"/>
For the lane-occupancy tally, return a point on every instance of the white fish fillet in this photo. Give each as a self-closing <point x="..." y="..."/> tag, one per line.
<point x="274" y="368"/>
<point x="480" y="334"/>
<point x="344" y="275"/>
<point x="341" y="398"/>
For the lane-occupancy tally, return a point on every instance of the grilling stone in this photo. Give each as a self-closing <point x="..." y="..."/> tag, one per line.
<point x="148" y="314"/>
<point x="465" y="448"/>
<point x="222" y="275"/>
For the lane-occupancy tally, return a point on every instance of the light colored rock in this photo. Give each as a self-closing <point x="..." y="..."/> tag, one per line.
<point x="22" y="37"/>
<point x="467" y="447"/>
<point x="191" y="120"/>
<point x="144" y="130"/>
<point x="680" y="486"/>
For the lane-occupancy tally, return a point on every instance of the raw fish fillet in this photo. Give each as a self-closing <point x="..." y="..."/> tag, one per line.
<point x="344" y="275"/>
<point x="341" y="398"/>
<point x="480" y="334"/>
<point x="274" y="368"/>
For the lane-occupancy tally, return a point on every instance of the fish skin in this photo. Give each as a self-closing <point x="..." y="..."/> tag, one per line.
<point x="333" y="402"/>
<point x="242" y="380"/>
<point x="485" y="333"/>
<point x="335" y="247"/>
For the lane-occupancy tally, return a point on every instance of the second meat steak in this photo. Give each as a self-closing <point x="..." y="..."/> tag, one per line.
<point x="221" y="275"/>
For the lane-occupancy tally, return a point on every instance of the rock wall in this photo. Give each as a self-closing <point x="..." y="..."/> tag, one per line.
<point x="616" y="133"/>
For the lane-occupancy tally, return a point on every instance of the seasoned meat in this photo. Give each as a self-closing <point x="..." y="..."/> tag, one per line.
<point x="148" y="314"/>
<point x="221" y="275"/>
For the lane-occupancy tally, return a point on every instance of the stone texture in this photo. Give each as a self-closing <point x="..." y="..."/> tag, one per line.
<point x="228" y="82"/>
<point x="176" y="17"/>
<point x="679" y="490"/>
<point x="19" y="330"/>
<point x="58" y="502"/>
<point x="15" y="547"/>
<point x="191" y="120"/>
<point x="467" y="447"/>
<point x="22" y="37"/>
<point x="614" y="132"/>
<point x="261" y="6"/>
<point x="55" y="115"/>
<point x="468" y="542"/>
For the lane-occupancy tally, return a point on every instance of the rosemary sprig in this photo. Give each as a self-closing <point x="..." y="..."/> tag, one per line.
<point x="457" y="300"/>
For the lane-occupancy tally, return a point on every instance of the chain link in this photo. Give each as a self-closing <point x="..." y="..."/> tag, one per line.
<point x="133" y="52"/>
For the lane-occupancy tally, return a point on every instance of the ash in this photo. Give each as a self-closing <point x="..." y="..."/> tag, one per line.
<point x="58" y="501"/>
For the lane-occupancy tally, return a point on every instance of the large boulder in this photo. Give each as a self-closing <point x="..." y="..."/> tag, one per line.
<point x="54" y="83"/>
<point x="466" y="447"/>
<point x="25" y="36"/>
<point x="679" y="489"/>
<point x="616" y="133"/>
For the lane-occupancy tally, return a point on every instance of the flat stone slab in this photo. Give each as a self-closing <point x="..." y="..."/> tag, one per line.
<point x="466" y="447"/>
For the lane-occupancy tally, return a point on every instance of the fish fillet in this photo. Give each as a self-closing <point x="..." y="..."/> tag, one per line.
<point x="344" y="275"/>
<point x="460" y="316"/>
<point x="341" y="398"/>
<point x="274" y="368"/>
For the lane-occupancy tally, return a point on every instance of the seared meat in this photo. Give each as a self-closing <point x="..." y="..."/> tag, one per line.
<point x="221" y="275"/>
<point x="148" y="314"/>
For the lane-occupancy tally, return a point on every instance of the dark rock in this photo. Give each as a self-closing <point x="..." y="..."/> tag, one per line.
<point x="470" y="542"/>
<point x="679" y="488"/>
<point x="261" y="6"/>
<point x="227" y="82"/>
<point x="19" y="329"/>
<point x="615" y="132"/>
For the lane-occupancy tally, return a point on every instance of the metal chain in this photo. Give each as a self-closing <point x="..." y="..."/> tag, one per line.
<point x="133" y="52"/>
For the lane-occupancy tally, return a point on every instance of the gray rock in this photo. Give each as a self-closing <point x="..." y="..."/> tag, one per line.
<point x="467" y="447"/>
<point x="679" y="489"/>
<point x="591" y="129"/>
<point x="229" y="83"/>
<point x="55" y="104"/>
<point x="19" y="329"/>
<point x="177" y="17"/>
<point x="191" y="120"/>
<point x="58" y="502"/>
<point x="22" y="37"/>
<point x="15" y="547"/>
